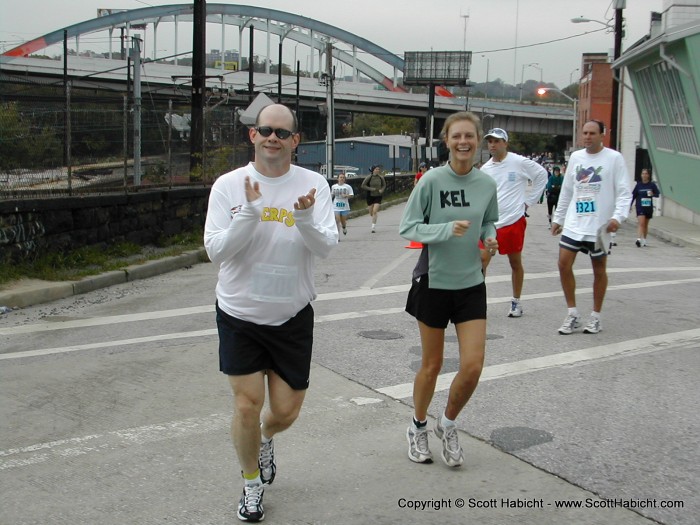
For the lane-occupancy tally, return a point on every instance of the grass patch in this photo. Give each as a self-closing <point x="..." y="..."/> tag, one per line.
<point x="93" y="260"/>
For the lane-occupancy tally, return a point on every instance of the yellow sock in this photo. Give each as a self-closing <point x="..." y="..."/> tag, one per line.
<point x="253" y="476"/>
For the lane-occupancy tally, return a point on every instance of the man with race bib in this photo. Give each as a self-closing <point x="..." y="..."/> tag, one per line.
<point x="594" y="201"/>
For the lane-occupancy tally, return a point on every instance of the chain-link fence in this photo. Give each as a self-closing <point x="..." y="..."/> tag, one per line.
<point x="53" y="145"/>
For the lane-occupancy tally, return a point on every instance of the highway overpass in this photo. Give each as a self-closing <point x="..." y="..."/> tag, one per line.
<point x="161" y="80"/>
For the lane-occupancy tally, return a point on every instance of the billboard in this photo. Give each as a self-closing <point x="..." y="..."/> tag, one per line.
<point x="447" y="68"/>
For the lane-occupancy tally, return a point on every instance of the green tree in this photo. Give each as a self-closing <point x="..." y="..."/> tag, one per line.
<point x="370" y="124"/>
<point x="23" y="144"/>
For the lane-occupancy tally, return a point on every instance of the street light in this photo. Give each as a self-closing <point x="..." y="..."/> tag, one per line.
<point x="466" y="19"/>
<point x="544" y="90"/>
<point x="481" y="144"/>
<point x="619" y="6"/>
<point x="584" y="20"/>
<point x="486" y="91"/>
<point x="541" y="70"/>
<point x="522" y="77"/>
<point x="571" y="76"/>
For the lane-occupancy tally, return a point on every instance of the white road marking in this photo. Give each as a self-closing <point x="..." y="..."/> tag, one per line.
<point x="361" y="401"/>
<point x="108" y="344"/>
<point x="344" y="316"/>
<point x="332" y="296"/>
<point x="119" y="439"/>
<point x="115" y="440"/>
<point x="369" y="283"/>
<point x="679" y="340"/>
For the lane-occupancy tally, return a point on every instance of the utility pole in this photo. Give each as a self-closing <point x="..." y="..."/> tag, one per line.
<point x="66" y="113"/>
<point x="136" y="55"/>
<point x="279" y="74"/>
<point x="198" y="74"/>
<point x="614" y="127"/>
<point x="330" y="111"/>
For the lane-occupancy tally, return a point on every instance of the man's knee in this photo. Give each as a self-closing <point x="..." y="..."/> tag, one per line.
<point x="566" y="261"/>
<point x="599" y="268"/>
<point x="247" y="407"/>
<point x="285" y="414"/>
<point x="516" y="261"/>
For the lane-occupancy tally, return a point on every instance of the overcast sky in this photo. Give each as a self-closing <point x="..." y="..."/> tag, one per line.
<point x="545" y="34"/>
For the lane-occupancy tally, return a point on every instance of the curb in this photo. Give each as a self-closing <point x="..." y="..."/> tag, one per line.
<point x="31" y="292"/>
<point x="673" y="238"/>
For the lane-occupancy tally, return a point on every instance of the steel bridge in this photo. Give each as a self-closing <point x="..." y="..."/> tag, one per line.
<point x="357" y="95"/>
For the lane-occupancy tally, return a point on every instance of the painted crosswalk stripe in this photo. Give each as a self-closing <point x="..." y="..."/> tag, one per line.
<point x="680" y="340"/>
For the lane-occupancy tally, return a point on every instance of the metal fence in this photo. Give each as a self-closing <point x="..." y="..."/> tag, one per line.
<point x="51" y="145"/>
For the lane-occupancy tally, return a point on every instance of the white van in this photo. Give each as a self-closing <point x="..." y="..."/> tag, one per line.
<point x="350" y="171"/>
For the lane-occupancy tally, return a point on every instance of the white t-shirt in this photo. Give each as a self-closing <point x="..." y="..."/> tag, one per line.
<point x="265" y="249"/>
<point x="512" y="176"/>
<point x="341" y="196"/>
<point x="596" y="189"/>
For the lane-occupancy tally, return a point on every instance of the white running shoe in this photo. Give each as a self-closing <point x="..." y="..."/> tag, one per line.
<point x="570" y="324"/>
<point x="452" y="453"/>
<point x="266" y="462"/>
<point x="516" y="309"/>
<point x="418" y="449"/>
<point x="250" y="507"/>
<point x="593" y="326"/>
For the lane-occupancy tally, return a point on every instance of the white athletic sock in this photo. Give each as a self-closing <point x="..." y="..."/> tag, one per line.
<point x="444" y="422"/>
<point x="595" y="315"/>
<point x="573" y="311"/>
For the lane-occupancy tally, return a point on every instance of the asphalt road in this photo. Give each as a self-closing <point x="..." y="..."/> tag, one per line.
<point x="114" y="411"/>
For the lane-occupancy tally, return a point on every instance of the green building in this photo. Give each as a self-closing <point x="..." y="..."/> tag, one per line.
<point x="663" y="69"/>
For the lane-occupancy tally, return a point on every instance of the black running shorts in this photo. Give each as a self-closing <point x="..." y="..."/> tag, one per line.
<point x="582" y="246"/>
<point x="377" y="199"/>
<point x="436" y="308"/>
<point x="246" y="348"/>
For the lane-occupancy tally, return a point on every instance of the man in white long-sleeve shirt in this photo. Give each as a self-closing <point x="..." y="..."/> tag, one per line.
<point x="513" y="175"/>
<point x="593" y="202"/>
<point x="266" y="223"/>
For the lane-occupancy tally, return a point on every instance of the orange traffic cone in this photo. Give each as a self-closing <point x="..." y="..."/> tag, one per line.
<point x="414" y="245"/>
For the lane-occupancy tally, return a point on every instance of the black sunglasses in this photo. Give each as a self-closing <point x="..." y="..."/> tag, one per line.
<point x="281" y="133"/>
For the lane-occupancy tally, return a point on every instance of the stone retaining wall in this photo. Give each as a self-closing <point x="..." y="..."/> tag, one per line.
<point x="32" y="227"/>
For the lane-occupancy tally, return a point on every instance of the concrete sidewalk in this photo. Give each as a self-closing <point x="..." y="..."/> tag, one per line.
<point x="673" y="230"/>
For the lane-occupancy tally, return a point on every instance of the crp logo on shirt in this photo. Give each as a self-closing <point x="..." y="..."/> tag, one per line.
<point x="278" y="215"/>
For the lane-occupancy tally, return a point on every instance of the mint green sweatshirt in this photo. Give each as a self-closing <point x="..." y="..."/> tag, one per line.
<point x="440" y="198"/>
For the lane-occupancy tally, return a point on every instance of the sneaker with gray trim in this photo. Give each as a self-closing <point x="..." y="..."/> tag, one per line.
<point x="516" y="309"/>
<point x="266" y="462"/>
<point x="418" y="449"/>
<point x="593" y="326"/>
<point x="570" y="324"/>
<point x="250" y="506"/>
<point x="452" y="453"/>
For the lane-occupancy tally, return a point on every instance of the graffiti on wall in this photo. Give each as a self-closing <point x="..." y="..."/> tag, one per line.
<point x="22" y="236"/>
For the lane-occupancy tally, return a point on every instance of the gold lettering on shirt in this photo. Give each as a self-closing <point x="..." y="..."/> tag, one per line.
<point x="280" y="215"/>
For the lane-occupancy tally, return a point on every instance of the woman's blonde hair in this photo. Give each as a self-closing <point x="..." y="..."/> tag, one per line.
<point x="462" y="115"/>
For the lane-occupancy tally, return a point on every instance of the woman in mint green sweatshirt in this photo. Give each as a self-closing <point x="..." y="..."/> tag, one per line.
<point x="451" y="208"/>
